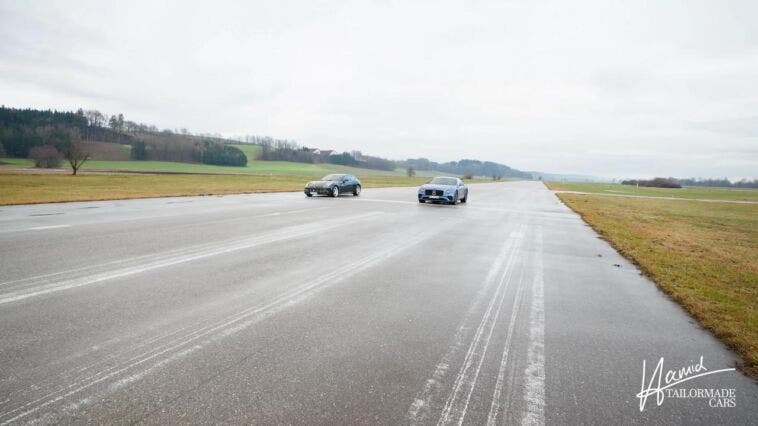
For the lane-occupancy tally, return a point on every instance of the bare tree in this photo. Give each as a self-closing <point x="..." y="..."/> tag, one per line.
<point x="75" y="152"/>
<point x="45" y="156"/>
<point x="94" y="118"/>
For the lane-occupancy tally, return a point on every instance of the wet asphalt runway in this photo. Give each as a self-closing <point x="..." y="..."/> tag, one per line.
<point x="277" y="308"/>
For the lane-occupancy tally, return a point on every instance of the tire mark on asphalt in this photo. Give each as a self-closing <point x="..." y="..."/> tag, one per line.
<point x="194" y="253"/>
<point x="455" y="407"/>
<point x="496" y="394"/>
<point x="197" y="339"/>
<point x="421" y="406"/>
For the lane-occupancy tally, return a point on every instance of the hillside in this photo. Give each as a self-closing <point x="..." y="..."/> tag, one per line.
<point x="117" y="144"/>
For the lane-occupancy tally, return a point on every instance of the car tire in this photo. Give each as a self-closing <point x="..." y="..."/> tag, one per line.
<point x="421" y="201"/>
<point x="455" y="198"/>
<point x="357" y="190"/>
<point x="464" y="199"/>
<point x="335" y="191"/>
<point x="309" y="194"/>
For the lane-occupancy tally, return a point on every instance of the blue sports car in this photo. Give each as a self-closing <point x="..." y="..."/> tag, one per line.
<point x="443" y="189"/>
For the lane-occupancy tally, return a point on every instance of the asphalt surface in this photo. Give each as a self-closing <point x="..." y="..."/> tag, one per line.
<point x="277" y="308"/>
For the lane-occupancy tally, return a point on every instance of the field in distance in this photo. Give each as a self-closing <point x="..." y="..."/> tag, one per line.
<point x="704" y="255"/>
<point x="253" y="167"/>
<point x="736" y="194"/>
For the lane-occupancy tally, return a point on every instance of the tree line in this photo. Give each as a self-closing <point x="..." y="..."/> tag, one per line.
<point x="284" y="150"/>
<point x="43" y="136"/>
<point x="21" y="130"/>
<point x="670" y="182"/>
<point x="720" y="183"/>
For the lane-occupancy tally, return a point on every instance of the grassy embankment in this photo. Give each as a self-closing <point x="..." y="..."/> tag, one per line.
<point x="703" y="255"/>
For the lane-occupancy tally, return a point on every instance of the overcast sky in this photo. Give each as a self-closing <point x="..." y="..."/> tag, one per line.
<point x="615" y="89"/>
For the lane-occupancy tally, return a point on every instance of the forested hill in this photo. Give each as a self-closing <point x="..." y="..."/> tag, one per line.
<point x="468" y="167"/>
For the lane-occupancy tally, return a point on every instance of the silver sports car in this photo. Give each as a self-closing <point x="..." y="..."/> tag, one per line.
<point x="443" y="189"/>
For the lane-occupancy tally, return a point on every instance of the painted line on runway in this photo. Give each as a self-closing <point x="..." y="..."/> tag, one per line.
<point x="223" y="247"/>
<point x="42" y="228"/>
<point x="534" y="374"/>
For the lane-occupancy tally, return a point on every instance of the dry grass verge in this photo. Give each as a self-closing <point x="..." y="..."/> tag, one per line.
<point x="26" y="188"/>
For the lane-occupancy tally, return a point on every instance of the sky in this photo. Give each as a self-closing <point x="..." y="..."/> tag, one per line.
<point x="622" y="89"/>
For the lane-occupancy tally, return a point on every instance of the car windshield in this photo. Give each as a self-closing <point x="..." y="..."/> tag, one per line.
<point x="444" y="181"/>
<point x="333" y="177"/>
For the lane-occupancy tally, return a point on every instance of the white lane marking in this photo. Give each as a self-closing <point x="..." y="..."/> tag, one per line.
<point x="495" y="405"/>
<point x="379" y="200"/>
<point x="420" y="407"/>
<point x="455" y="407"/>
<point x="42" y="228"/>
<point x="221" y="248"/>
<point x="534" y="374"/>
<point x="222" y="328"/>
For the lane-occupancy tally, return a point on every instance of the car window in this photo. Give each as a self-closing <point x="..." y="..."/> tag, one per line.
<point x="333" y="177"/>
<point x="444" y="181"/>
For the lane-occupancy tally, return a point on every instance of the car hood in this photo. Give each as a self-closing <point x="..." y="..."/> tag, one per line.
<point x="319" y="183"/>
<point x="435" y="186"/>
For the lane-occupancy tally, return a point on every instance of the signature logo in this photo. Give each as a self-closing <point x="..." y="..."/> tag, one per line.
<point x="659" y="382"/>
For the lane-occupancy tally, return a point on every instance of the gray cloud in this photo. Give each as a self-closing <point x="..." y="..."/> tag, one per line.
<point x="604" y="88"/>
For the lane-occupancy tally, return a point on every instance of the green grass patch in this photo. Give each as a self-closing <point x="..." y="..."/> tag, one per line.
<point x="737" y="194"/>
<point x="16" y="162"/>
<point x="704" y="255"/>
<point x="251" y="151"/>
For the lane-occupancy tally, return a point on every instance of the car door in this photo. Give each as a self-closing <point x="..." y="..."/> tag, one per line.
<point x="345" y="186"/>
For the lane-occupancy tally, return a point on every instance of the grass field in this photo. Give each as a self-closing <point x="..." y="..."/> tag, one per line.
<point x="48" y="188"/>
<point x="689" y="192"/>
<point x="251" y="151"/>
<point x="703" y="255"/>
<point x="253" y="167"/>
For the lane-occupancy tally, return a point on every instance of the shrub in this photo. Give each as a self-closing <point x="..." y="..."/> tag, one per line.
<point x="658" y="182"/>
<point x="223" y="155"/>
<point x="45" y="156"/>
<point x="139" y="150"/>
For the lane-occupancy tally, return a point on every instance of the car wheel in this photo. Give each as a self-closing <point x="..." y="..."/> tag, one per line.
<point x="455" y="198"/>
<point x="309" y="194"/>
<point x="421" y="201"/>
<point x="464" y="199"/>
<point x="336" y="191"/>
<point x="357" y="190"/>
